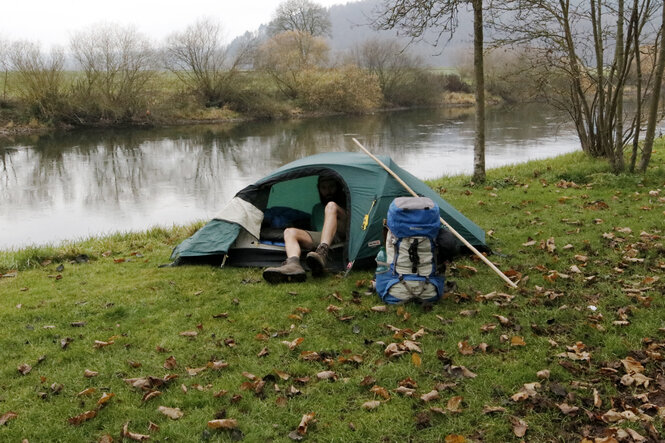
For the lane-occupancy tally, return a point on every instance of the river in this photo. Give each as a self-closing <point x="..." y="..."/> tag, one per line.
<point x="70" y="186"/>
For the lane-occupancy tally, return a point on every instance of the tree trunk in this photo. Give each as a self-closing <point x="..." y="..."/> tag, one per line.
<point x="478" y="67"/>
<point x="638" y="87"/>
<point x="618" y="162"/>
<point x="655" y="100"/>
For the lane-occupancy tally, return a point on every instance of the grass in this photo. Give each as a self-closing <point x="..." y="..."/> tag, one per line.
<point x="601" y="295"/>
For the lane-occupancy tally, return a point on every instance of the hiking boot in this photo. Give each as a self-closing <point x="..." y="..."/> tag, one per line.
<point x="316" y="260"/>
<point x="290" y="271"/>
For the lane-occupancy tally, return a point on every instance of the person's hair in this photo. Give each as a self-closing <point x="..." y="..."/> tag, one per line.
<point x="340" y="195"/>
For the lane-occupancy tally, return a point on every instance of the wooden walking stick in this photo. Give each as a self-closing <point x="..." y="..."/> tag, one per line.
<point x="450" y="228"/>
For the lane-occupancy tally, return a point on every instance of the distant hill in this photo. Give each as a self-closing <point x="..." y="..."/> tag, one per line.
<point x="351" y="25"/>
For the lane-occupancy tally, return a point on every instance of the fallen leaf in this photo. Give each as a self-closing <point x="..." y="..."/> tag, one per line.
<point x="304" y="423"/>
<point x="132" y="435"/>
<point x="369" y="405"/>
<point x="106" y="396"/>
<point x="493" y="409"/>
<point x="4" y="418"/>
<point x="544" y="374"/>
<point x="225" y="423"/>
<point x="379" y="308"/>
<point x="188" y="334"/>
<point x="172" y="413"/>
<point x="380" y="391"/>
<point x="465" y="348"/>
<point x="326" y="375"/>
<point x="24" y="369"/>
<point x="293" y="344"/>
<point x="568" y="409"/>
<point x="432" y="395"/>
<point x="455" y="438"/>
<point x="516" y="340"/>
<point x="89" y="373"/>
<point x="170" y="363"/>
<point x="150" y="394"/>
<point x="416" y="360"/>
<point x="82" y="417"/>
<point x="519" y="426"/>
<point x="455" y="404"/>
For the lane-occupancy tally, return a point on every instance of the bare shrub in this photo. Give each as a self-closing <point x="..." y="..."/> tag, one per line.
<point x="40" y="79"/>
<point x="199" y="58"/>
<point x="287" y="56"/>
<point x="346" y="89"/>
<point x="117" y="65"/>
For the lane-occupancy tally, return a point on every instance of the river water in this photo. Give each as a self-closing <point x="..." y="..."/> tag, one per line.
<point x="74" y="185"/>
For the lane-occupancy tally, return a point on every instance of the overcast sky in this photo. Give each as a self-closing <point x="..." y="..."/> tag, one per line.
<point x="52" y="22"/>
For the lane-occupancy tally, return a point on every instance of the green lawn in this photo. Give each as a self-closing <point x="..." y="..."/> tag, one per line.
<point x="586" y="325"/>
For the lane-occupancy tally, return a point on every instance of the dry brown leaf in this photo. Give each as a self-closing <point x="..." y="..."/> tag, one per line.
<point x="597" y="402"/>
<point x="293" y="344"/>
<point x="282" y="375"/>
<point x="263" y="352"/>
<point x="379" y="308"/>
<point x="465" y="348"/>
<point x="151" y="394"/>
<point x="408" y="392"/>
<point x="454" y="438"/>
<point x="493" y="409"/>
<point x="82" y="417"/>
<point x="172" y="413"/>
<point x="225" y="423"/>
<point x="380" y="391"/>
<point x="632" y="366"/>
<point x="516" y="340"/>
<point x="89" y="373"/>
<point x="519" y="426"/>
<point x="106" y="396"/>
<point x="416" y="360"/>
<point x="310" y="356"/>
<point x="126" y="433"/>
<point x="87" y="391"/>
<point x="106" y="438"/>
<point x="4" y="418"/>
<point x="369" y="405"/>
<point x="170" y="363"/>
<point x="326" y="375"/>
<point x="217" y="365"/>
<point x="195" y="371"/>
<point x="304" y="422"/>
<point x="432" y="395"/>
<point x="188" y="334"/>
<point x="455" y="404"/>
<point x="102" y="344"/>
<point x="544" y="374"/>
<point x="153" y="427"/>
<point x="567" y="409"/>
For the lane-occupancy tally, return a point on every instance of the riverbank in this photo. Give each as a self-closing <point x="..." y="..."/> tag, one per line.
<point x="12" y="124"/>
<point x="100" y="341"/>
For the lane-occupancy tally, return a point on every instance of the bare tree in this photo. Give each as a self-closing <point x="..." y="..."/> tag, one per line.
<point x="4" y="65"/>
<point x="117" y="64"/>
<point x="201" y="60"/>
<point x="388" y="60"/>
<point x="40" y="77"/>
<point x="414" y="17"/>
<point x="572" y="45"/>
<point x="302" y="16"/>
<point x="302" y="19"/>
<point x="655" y="99"/>
<point x="281" y="58"/>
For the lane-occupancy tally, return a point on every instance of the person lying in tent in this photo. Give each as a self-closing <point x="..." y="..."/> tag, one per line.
<point x="328" y="221"/>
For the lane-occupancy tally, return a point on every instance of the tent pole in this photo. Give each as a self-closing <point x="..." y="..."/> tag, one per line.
<point x="450" y="228"/>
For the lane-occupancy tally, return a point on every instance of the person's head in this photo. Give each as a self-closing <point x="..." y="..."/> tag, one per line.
<point x="329" y="188"/>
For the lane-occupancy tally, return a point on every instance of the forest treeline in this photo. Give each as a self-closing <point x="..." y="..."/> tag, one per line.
<point x="113" y="75"/>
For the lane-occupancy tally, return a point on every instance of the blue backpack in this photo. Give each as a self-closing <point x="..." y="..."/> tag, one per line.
<point x="410" y="271"/>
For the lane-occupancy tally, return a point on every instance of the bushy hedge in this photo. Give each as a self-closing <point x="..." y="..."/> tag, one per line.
<point x="347" y="89"/>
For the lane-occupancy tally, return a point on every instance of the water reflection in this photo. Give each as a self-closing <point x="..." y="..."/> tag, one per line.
<point x="68" y="186"/>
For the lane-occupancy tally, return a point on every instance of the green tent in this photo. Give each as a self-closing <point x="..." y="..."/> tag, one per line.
<point x="235" y="234"/>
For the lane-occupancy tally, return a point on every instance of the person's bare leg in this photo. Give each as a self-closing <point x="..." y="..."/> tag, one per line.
<point x="294" y="240"/>
<point x="333" y="217"/>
